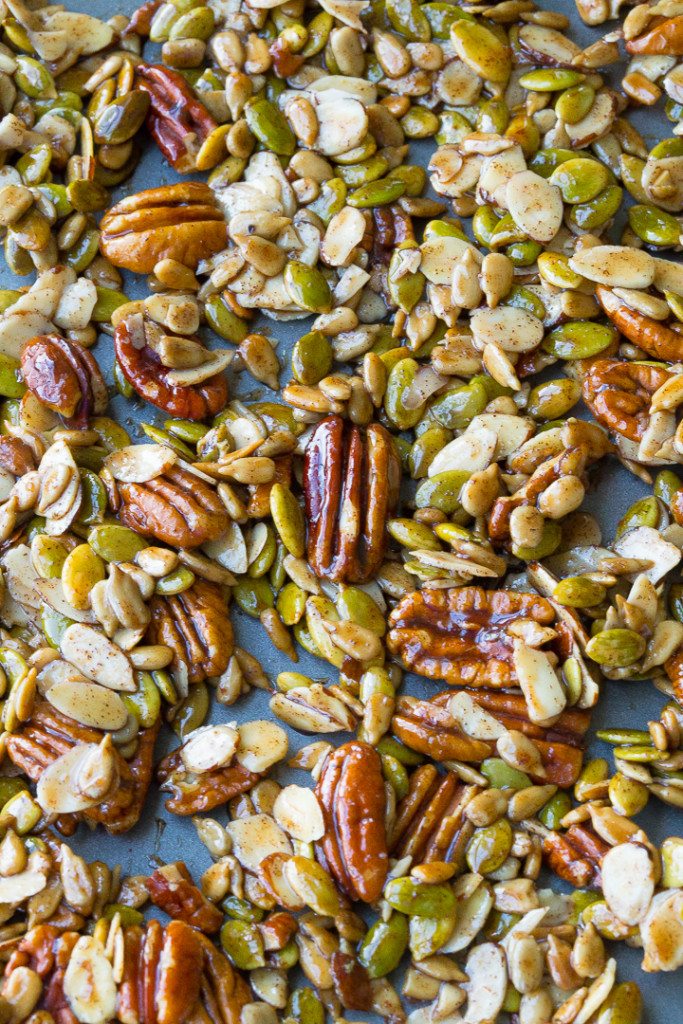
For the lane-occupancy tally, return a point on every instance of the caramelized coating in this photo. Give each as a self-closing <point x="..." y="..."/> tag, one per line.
<point x="196" y="626"/>
<point x="619" y="394"/>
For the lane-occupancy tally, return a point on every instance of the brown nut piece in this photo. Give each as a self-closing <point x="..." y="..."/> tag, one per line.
<point x="178" y="508"/>
<point x="428" y="727"/>
<point x="171" y="888"/>
<point x="177" y="120"/>
<point x="196" y="626"/>
<point x="430" y="825"/>
<point x="351" y="485"/>
<point x="460" y="635"/>
<point x="575" y="855"/>
<point x="15" y="455"/>
<point x="144" y="371"/>
<point x="179" y="222"/>
<point x="665" y="38"/>
<point x="354" y="846"/>
<point x="619" y="394"/>
<point x="191" y="794"/>
<point x="65" y="377"/>
<point x="652" y="336"/>
<point x="50" y="734"/>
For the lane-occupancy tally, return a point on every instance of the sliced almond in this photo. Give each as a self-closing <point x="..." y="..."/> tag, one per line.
<point x="88" y="704"/>
<point x="647" y="544"/>
<point x="344" y="233"/>
<point x="57" y="791"/>
<point x="89" y="984"/>
<point x="628" y="881"/>
<point x="256" y="837"/>
<point x="14" y="889"/>
<point x="210" y="747"/>
<point x="511" y="431"/>
<point x="261" y="745"/>
<point x="97" y="657"/>
<point x="298" y="812"/>
<point x="440" y="256"/>
<point x="662" y="932"/>
<point x="473" y="911"/>
<point x="535" y="205"/>
<point x="312" y="709"/>
<point x="513" y="328"/>
<point x="597" y="122"/>
<point x="544" y="694"/>
<point x="138" y="463"/>
<point x="472" y="452"/>
<point x="615" y="265"/>
<point x="474" y="720"/>
<point x="52" y="593"/>
<point x="342" y="123"/>
<point x="20" y="576"/>
<point x="547" y="46"/>
<point x="487" y="975"/>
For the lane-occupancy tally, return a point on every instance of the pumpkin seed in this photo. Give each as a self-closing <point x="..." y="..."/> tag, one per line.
<point x="270" y="126"/>
<point x="307" y="287"/>
<point x="579" y="339"/>
<point x="420" y="899"/>
<point x="616" y="648"/>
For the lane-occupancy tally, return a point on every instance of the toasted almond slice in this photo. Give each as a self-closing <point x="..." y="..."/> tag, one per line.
<point x="615" y="265"/>
<point x="646" y="543"/>
<point x="486" y="970"/>
<point x="261" y="745"/>
<point x="344" y="232"/>
<point x="312" y="709"/>
<point x="511" y="431"/>
<point x="535" y="205"/>
<point x="628" y="881"/>
<point x="298" y="812"/>
<point x="342" y="123"/>
<point x="473" y="911"/>
<point x="513" y="328"/>
<point x="440" y="255"/>
<point x="543" y="691"/>
<point x="138" y="463"/>
<point x="14" y="889"/>
<point x="668" y="276"/>
<point x="97" y="657"/>
<point x="662" y="932"/>
<point x="255" y="837"/>
<point x="547" y="46"/>
<point x="596" y="123"/>
<point x="210" y="747"/>
<point x="89" y="984"/>
<point x="472" y="451"/>
<point x="56" y="791"/>
<point x="20" y="576"/>
<point x="88" y="703"/>
<point x="474" y="720"/>
<point x="52" y="593"/>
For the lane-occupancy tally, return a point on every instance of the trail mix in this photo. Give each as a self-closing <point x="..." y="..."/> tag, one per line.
<point x="405" y="495"/>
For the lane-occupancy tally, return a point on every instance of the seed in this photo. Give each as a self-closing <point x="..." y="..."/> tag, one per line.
<point x="616" y="648"/>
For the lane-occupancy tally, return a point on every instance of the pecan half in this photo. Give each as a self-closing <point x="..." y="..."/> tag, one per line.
<point x="224" y="991"/>
<point x="141" y="19"/>
<point x="570" y="462"/>
<point x="619" y="394"/>
<point x="575" y="855"/>
<point x="192" y="793"/>
<point x="177" y="120"/>
<point x="180" y="222"/>
<point x="196" y="626"/>
<point x="428" y="727"/>
<point x="65" y="377"/>
<point x="171" y="888"/>
<point x="429" y="822"/>
<point x="392" y="226"/>
<point x="49" y="734"/>
<point x="674" y="665"/>
<point x="351" y="982"/>
<point x="653" y="336"/>
<point x="666" y="38"/>
<point x="460" y="635"/>
<point x="162" y="974"/>
<point x="144" y="371"/>
<point x="352" y="797"/>
<point x="15" y="455"/>
<point x="351" y="485"/>
<point x="178" y="508"/>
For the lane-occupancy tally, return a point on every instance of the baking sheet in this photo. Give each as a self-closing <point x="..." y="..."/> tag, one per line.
<point x="161" y="837"/>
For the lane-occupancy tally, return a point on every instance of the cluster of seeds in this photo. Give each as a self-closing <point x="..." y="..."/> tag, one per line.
<point x="404" y="495"/>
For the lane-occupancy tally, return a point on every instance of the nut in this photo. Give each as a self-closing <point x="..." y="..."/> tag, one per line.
<point x="64" y="377"/>
<point x="196" y="626"/>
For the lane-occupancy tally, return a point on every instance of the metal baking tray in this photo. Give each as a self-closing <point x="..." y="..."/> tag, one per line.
<point x="162" y="837"/>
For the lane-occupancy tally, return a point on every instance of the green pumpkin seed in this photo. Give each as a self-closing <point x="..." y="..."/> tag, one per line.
<point x="672" y="862"/>
<point x="192" y="711"/>
<point x="554" y="269"/>
<point x="360" y="174"/>
<point x="573" y="104"/>
<point x="552" y="813"/>
<point x="176" y="582"/>
<point x="553" y="399"/>
<point x="550" y="79"/>
<point x="453" y="128"/>
<point x="270" y="126"/>
<point x="639" y="754"/>
<point x="413" y="177"/>
<point x="115" y="543"/>
<point x="413" y="535"/>
<point x="407" y="18"/>
<point x="48" y="555"/>
<point x="355" y="605"/>
<point x="616" y="648"/>
<point x="523" y="254"/>
<point x="291" y="604"/>
<point x="579" y="339"/>
<point x="427" y="935"/>
<point x="419" y="123"/>
<point x="502" y="775"/>
<point x="580" y="180"/>
<point x="307" y="287"/>
<point x="489" y="847"/>
<point x="224" y="322"/>
<point x="631" y="173"/>
<point x="624" y="1005"/>
<point x="498" y="924"/>
<point x="305" y="1006"/>
<point x="579" y="592"/>
<point x="412" y="897"/>
<point x="288" y="519"/>
<point x="242" y="944"/>
<point x="54" y="625"/>
<point x="596" y="212"/>
<point x="121" y="119"/>
<point x="376" y="193"/>
<point x="34" y="165"/>
<point x="11" y="384"/>
<point x="456" y="408"/>
<point x="396" y="775"/>
<point x="312" y="358"/>
<point x="83" y="252"/>
<point x="627" y="796"/>
<point x="384" y="944"/>
<point x="241" y="910"/>
<point x="33" y="78"/>
<point x="253" y="596"/>
<point x="442" y="491"/>
<point x="551" y="540"/>
<point x="481" y="50"/>
<point x="392" y="747"/>
<point x="195" y="24"/>
<point x="266" y="556"/>
<point x="331" y="200"/>
<point x="145" y="703"/>
<point x="654" y="226"/>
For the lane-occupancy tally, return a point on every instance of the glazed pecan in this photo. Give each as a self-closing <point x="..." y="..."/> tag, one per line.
<point x="575" y="855"/>
<point x="171" y="888"/>
<point x="428" y="727"/>
<point x="351" y="982"/>
<point x="653" y="336"/>
<point x="180" y="222"/>
<point x="224" y="991"/>
<point x="65" y="377"/>
<point x="674" y="666"/>
<point x="460" y="635"/>
<point x="16" y="455"/>
<point x="177" y="120"/>
<point x="351" y="485"/>
<point x="665" y="38"/>
<point x="570" y="462"/>
<point x="144" y="371"/>
<point x="392" y="226"/>
<point x="192" y="793"/>
<point x="354" y="847"/>
<point x="141" y="19"/>
<point x="429" y="822"/>
<point x="162" y="974"/>
<point x="619" y="393"/>
<point x="196" y="626"/>
<point x="178" y="508"/>
<point x="49" y="734"/>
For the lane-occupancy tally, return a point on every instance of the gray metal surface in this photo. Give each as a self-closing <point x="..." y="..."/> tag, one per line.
<point x="628" y="704"/>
